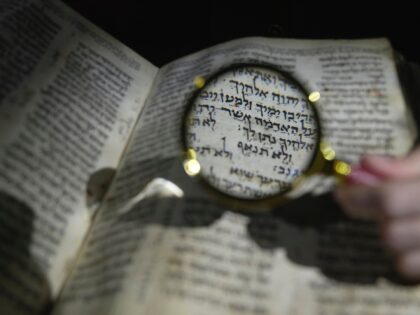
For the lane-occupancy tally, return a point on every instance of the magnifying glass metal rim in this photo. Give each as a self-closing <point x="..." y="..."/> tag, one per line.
<point x="323" y="159"/>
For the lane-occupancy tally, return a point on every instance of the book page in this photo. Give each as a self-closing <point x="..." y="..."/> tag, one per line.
<point x="69" y="98"/>
<point x="163" y="245"/>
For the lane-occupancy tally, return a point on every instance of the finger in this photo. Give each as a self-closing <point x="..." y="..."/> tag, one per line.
<point x="389" y="199"/>
<point x="362" y="176"/>
<point x="359" y="201"/>
<point x="408" y="264"/>
<point x="388" y="167"/>
<point x="401" y="235"/>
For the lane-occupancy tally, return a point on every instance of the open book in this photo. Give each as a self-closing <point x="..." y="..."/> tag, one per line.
<point x="82" y="115"/>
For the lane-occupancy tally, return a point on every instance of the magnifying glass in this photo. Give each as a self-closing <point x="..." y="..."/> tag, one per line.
<point x="252" y="135"/>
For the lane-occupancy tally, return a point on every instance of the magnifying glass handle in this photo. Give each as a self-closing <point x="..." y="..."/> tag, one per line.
<point x="344" y="172"/>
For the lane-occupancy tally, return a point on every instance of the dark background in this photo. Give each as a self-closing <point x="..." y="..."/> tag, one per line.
<point x="162" y="32"/>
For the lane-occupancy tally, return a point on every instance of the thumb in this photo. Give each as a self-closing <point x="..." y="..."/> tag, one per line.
<point x="393" y="168"/>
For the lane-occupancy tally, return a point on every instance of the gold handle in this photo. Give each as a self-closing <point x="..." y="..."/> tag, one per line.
<point x="338" y="168"/>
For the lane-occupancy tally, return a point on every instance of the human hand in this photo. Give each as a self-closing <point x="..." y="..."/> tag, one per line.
<point x="387" y="190"/>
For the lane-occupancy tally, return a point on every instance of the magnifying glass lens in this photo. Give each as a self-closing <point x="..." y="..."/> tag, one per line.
<point x="250" y="132"/>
